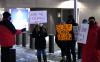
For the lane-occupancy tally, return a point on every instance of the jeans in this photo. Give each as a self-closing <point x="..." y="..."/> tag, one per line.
<point x="41" y="52"/>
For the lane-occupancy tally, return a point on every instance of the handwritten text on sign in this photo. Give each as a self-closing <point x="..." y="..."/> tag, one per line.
<point x="63" y="32"/>
<point x="38" y="17"/>
<point x="83" y="32"/>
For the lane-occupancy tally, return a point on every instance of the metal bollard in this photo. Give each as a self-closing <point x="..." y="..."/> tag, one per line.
<point x="18" y="39"/>
<point x="32" y="43"/>
<point x="24" y="39"/>
<point x="51" y="43"/>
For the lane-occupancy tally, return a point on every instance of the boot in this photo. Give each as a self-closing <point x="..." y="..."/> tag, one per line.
<point x="74" y="59"/>
<point x="68" y="59"/>
<point x="45" y="58"/>
<point x="63" y="59"/>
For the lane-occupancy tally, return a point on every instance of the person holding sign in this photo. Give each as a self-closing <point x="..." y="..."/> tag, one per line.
<point x="85" y="22"/>
<point x="7" y="38"/>
<point x="90" y="48"/>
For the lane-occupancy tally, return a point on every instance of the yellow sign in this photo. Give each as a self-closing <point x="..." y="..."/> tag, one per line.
<point x="64" y="32"/>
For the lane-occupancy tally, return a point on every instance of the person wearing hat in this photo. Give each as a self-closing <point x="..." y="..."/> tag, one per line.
<point x="84" y="21"/>
<point x="7" y="36"/>
<point x="70" y="45"/>
<point x="67" y="46"/>
<point x="90" y="48"/>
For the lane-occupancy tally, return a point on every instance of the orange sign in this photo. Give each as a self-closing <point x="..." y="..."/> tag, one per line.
<point x="63" y="32"/>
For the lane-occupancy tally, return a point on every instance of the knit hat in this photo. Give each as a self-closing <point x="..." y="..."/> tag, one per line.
<point x="6" y="14"/>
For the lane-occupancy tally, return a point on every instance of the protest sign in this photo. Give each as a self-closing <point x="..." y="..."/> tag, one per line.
<point x="83" y="32"/>
<point x="64" y="32"/>
<point x="38" y="17"/>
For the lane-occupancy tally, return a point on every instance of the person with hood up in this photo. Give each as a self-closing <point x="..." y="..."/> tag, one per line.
<point x="39" y="33"/>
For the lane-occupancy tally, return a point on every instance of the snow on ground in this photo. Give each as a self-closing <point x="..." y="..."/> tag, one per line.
<point x="28" y="55"/>
<point x="25" y="54"/>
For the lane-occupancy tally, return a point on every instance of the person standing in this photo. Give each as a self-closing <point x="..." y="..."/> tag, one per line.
<point x="71" y="50"/>
<point x="84" y="21"/>
<point x="67" y="46"/>
<point x="39" y="33"/>
<point x="7" y="37"/>
<point x="60" y="43"/>
<point x="90" y="48"/>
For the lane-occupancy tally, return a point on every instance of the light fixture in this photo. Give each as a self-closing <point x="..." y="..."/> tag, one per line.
<point x="68" y="4"/>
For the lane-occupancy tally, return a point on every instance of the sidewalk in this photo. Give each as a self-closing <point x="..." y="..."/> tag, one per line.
<point x="29" y="55"/>
<point x="25" y="54"/>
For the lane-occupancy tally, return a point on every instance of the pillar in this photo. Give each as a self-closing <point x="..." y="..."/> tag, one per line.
<point x="75" y="10"/>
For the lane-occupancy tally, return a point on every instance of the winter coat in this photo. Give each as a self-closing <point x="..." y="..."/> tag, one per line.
<point x="40" y="42"/>
<point x="7" y="33"/>
<point x="90" y="48"/>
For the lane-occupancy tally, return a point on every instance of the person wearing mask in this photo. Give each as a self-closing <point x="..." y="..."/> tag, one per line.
<point x="7" y="37"/>
<point x="39" y="33"/>
<point x="84" y="21"/>
<point x="90" y="48"/>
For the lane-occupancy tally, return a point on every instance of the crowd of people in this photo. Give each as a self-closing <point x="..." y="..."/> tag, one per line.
<point x="87" y="52"/>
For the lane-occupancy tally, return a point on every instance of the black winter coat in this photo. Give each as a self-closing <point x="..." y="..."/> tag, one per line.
<point x="40" y="42"/>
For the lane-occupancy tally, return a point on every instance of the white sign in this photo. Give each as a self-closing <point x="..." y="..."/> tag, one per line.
<point x="38" y="17"/>
<point x="83" y="32"/>
<point x="75" y="30"/>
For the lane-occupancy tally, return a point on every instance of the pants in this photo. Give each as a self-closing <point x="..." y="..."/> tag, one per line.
<point x="68" y="50"/>
<point x="73" y="50"/>
<point x="5" y="54"/>
<point x="41" y="52"/>
<point x="79" y="51"/>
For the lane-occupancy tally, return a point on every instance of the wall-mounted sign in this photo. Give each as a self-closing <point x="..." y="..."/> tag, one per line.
<point x="64" y="32"/>
<point x="38" y="17"/>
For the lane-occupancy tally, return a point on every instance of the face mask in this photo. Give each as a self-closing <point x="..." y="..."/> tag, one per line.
<point x="92" y="22"/>
<point x="9" y="18"/>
